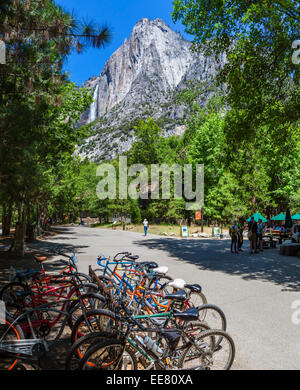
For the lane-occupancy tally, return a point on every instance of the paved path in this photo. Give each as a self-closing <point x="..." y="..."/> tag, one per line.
<point x="255" y="291"/>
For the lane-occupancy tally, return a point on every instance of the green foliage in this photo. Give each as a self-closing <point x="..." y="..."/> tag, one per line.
<point x="40" y="109"/>
<point x="262" y="83"/>
<point x="257" y="169"/>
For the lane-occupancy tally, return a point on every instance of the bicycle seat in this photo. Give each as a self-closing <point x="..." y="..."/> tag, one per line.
<point x="133" y="257"/>
<point x="177" y="283"/>
<point x="194" y="287"/>
<point x="177" y="296"/>
<point x="161" y="270"/>
<point x="23" y="293"/>
<point x="40" y="259"/>
<point x="148" y="264"/>
<point x="27" y="274"/>
<point x="152" y="275"/>
<point x="190" y="314"/>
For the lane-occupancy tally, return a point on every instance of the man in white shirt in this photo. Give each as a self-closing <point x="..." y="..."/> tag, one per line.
<point x="145" y="223"/>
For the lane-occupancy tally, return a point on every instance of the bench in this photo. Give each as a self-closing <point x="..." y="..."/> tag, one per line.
<point x="269" y="243"/>
<point x="290" y="249"/>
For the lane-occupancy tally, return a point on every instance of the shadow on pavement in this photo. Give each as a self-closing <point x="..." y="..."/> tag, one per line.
<point x="36" y="248"/>
<point x="215" y="255"/>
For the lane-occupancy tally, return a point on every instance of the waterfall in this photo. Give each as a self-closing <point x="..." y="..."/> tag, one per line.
<point x="93" y="109"/>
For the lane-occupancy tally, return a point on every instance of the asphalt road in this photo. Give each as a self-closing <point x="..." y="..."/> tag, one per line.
<point x="256" y="292"/>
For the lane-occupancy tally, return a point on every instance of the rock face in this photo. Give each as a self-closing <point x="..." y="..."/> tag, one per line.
<point x="141" y="79"/>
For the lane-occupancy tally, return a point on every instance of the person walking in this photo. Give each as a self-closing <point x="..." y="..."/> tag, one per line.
<point x="252" y="232"/>
<point x="233" y="231"/>
<point x="146" y="226"/>
<point x="260" y="229"/>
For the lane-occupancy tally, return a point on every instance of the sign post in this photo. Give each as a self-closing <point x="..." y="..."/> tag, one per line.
<point x="198" y="216"/>
<point x="184" y="231"/>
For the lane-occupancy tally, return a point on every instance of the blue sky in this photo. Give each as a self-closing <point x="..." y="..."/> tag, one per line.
<point x="120" y="16"/>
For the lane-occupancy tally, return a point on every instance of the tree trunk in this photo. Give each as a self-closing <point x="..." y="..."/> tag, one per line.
<point x="30" y="227"/>
<point x="38" y="218"/>
<point x="45" y="212"/>
<point x="19" y="243"/>
<point x="6" y="219"/>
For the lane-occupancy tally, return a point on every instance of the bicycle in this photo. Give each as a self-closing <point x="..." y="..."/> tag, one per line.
<point x="163" y="353"/>
<point x="23" y="338"/>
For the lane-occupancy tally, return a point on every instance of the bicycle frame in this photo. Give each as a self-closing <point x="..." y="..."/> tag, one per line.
<point x="26" y="347"/>
<point x="38" y="299"/>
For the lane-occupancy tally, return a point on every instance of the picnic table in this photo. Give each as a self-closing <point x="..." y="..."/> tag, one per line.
<point x="269" y="241"/>
<point x="279" y="235"/>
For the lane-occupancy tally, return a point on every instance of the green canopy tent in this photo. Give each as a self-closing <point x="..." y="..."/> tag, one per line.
<point x="256" y="217"/>
<point x="279" y="217"/>
<point x="296" y="217"/>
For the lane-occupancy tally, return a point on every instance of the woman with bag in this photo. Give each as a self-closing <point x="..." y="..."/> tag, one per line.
<point x="252" y="231"/>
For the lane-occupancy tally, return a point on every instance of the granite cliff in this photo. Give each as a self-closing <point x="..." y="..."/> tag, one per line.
<point x="142" y="79"/>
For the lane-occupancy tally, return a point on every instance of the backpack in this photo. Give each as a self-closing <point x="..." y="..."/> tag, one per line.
<point x="231" y="231"/>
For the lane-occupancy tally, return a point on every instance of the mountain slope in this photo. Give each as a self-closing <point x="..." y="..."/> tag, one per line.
<point x="142" y="79"/>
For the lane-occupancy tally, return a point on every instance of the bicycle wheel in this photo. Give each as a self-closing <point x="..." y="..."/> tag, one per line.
<point x="160" y="283"/>
<point x="88" y="302"/>
<point x="79" y="348"/>
<point x="109" y="355"/>
<point x="196" y="299"/>
<point x="213" y="316"/>
<point x="84" y="278"/>
<point x="209" y="315"/>
<point x="203" y="354"/>
<point x="13" y="292"/>
<point x="14" y="333"/>
<point x="93" y="321"/>
<point x="89" y="288"/>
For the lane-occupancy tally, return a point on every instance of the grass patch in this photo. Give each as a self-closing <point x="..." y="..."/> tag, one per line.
<point x="161" y="229"/>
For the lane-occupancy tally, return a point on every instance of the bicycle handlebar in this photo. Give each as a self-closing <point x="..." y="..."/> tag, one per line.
<point x="122" y="253"/>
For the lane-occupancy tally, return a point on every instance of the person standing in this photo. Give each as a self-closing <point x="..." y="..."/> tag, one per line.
<point x="240" y="234"/>
<point x="252" y="233"/>
<point x="260" y="229"/>
<point x="233" y="231"/>
<point x="146" y="226"/>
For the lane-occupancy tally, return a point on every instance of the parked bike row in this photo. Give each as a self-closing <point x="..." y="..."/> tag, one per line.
<point x="125" y="314"/>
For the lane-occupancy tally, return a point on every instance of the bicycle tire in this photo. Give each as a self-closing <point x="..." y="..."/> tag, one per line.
<point x="113" y="348"/>
<point x="79" y="348"/>
<point x="207" y="352"/>
<point x="210" y="308"/>
<point x="193" y="295"/>
<point x="7" y="291"/>
<point x="87" y="278"/>
<point x="104" y="320"/>
<point x="8" y="362"/>
<point x="96" y="302"/>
